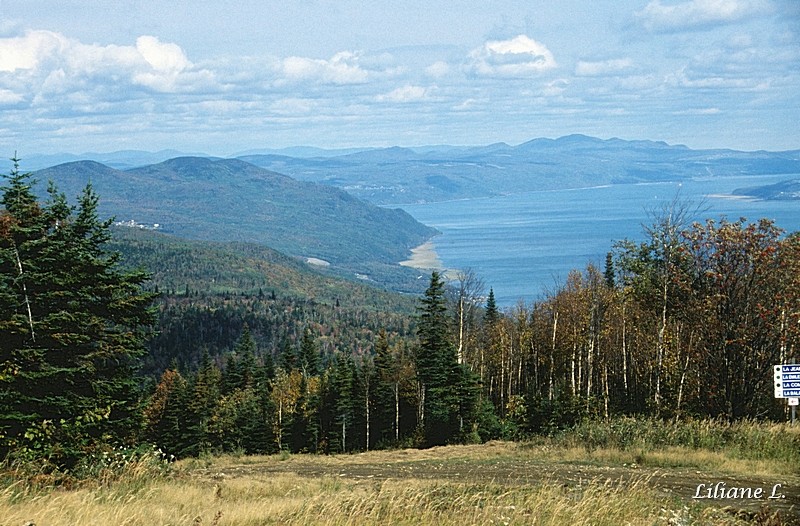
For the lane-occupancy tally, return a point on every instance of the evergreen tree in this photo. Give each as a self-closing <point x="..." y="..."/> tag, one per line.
<point x="204" y="394"/>
<point x="387" y="392"/>
<point x="341" y="404"/>
<point x="72" y="327"/>
<point x="309" y="354"/>
<point x="288" y="358"/>
<point x="304" y="428"/>
<point x="243" y="361"/>
<point x="234" y="425"/>
<point x="608" y="274"/>
<point x="166" y="417"/>
<point x="262" y="436"/>
<point x="491" y="315"/>
<point x="232" y="377"/>
<point x="435" y="363"/>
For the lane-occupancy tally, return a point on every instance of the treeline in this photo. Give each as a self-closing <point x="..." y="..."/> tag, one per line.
<point x="305" y="397"/>
<point x="687" y="323"/>
<point x="189" y="325"/>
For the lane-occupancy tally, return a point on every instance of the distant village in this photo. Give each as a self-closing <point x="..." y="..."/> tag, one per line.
<point x="133" y="224"/>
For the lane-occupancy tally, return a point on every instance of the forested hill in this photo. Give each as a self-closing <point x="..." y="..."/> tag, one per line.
<point x="202" y="268"/>
<point x="783" y="191"/>
<point x="209" y="291"/>
<point x="231" y="200"/>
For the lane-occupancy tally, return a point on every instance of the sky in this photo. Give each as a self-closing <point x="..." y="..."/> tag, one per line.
<point x="226" y="77"/>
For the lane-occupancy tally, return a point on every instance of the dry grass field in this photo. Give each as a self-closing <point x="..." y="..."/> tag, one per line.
<point x="498" y="483"/>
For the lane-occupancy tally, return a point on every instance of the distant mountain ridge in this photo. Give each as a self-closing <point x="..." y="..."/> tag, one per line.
<point x="121" y="160"/>
<point x="397" y="175"/>
<point x="410" y="175"/>
<point x="232" y="200"/>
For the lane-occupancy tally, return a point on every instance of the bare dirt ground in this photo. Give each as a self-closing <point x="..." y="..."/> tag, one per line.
<point x="501" y="463"/>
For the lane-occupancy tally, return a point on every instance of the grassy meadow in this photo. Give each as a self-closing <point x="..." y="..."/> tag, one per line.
<point x="622" y="472"/>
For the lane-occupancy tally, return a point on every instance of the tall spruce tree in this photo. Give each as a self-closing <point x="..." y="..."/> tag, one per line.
<point x="309" y="354"/>
<point x="72" y="326"/>
<point x="387" y="390"/>
<point x="436" y="365"/>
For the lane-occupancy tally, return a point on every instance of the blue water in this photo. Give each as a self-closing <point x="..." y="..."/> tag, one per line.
<point x="525" y="244"/>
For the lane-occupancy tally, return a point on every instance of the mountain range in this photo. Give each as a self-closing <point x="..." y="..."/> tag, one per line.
<point x="437" y="173"/>
<point x="405" y="175"/>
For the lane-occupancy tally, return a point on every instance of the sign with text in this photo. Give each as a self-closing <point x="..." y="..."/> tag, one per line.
<point x="787" y="380"/>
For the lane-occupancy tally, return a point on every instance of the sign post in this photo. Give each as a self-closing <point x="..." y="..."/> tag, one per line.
<point x="787" y="385"/>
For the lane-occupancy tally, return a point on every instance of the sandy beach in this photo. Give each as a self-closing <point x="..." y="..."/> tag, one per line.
<point x="731" y="196"/>
<point x="423" y="257"/>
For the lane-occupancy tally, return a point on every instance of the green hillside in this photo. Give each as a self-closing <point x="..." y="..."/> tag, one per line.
<point x="231" y="200"/>
<point x="210" y="291"/>
<point x="235" y="268"/>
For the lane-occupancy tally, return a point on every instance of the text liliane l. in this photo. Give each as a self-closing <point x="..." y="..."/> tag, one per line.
<point x="720" y="490"/>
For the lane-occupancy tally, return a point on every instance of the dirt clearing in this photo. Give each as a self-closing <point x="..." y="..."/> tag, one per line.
<point x="525" y="465"/>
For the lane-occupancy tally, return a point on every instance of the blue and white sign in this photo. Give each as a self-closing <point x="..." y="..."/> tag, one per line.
<point x="787" y="380"/>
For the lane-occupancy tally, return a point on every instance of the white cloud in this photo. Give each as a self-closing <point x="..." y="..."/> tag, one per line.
<point x="8" y="97"/>
<point x="292" y="106"/>
<point x="602" y="68"/>
<point x="54" y="63"/>
<point x="27" y="52"/>
<point x="342" y="68"/>
<point x="466" y="105"/>
<point x="520" y="56"/>
<point x="685" y="78"/>
<point x="405" y="94"/>
<point x="438" y="69"/>
<point x="163" y="57"/>
<point x="555" y="88"/>
<point x="698" y="13"/>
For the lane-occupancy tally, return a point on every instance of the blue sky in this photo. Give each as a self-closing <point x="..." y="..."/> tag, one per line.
<point x="223" y="77"/>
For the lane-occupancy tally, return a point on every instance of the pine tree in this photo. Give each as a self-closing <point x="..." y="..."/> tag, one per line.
<point x="342" y="374"/>
<point x="72" y="327"/>
<point x="232" y="377"/>
<point x="609" y="274"/>
<point x="288" y="358"/>
<point x="263" y="438"/>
